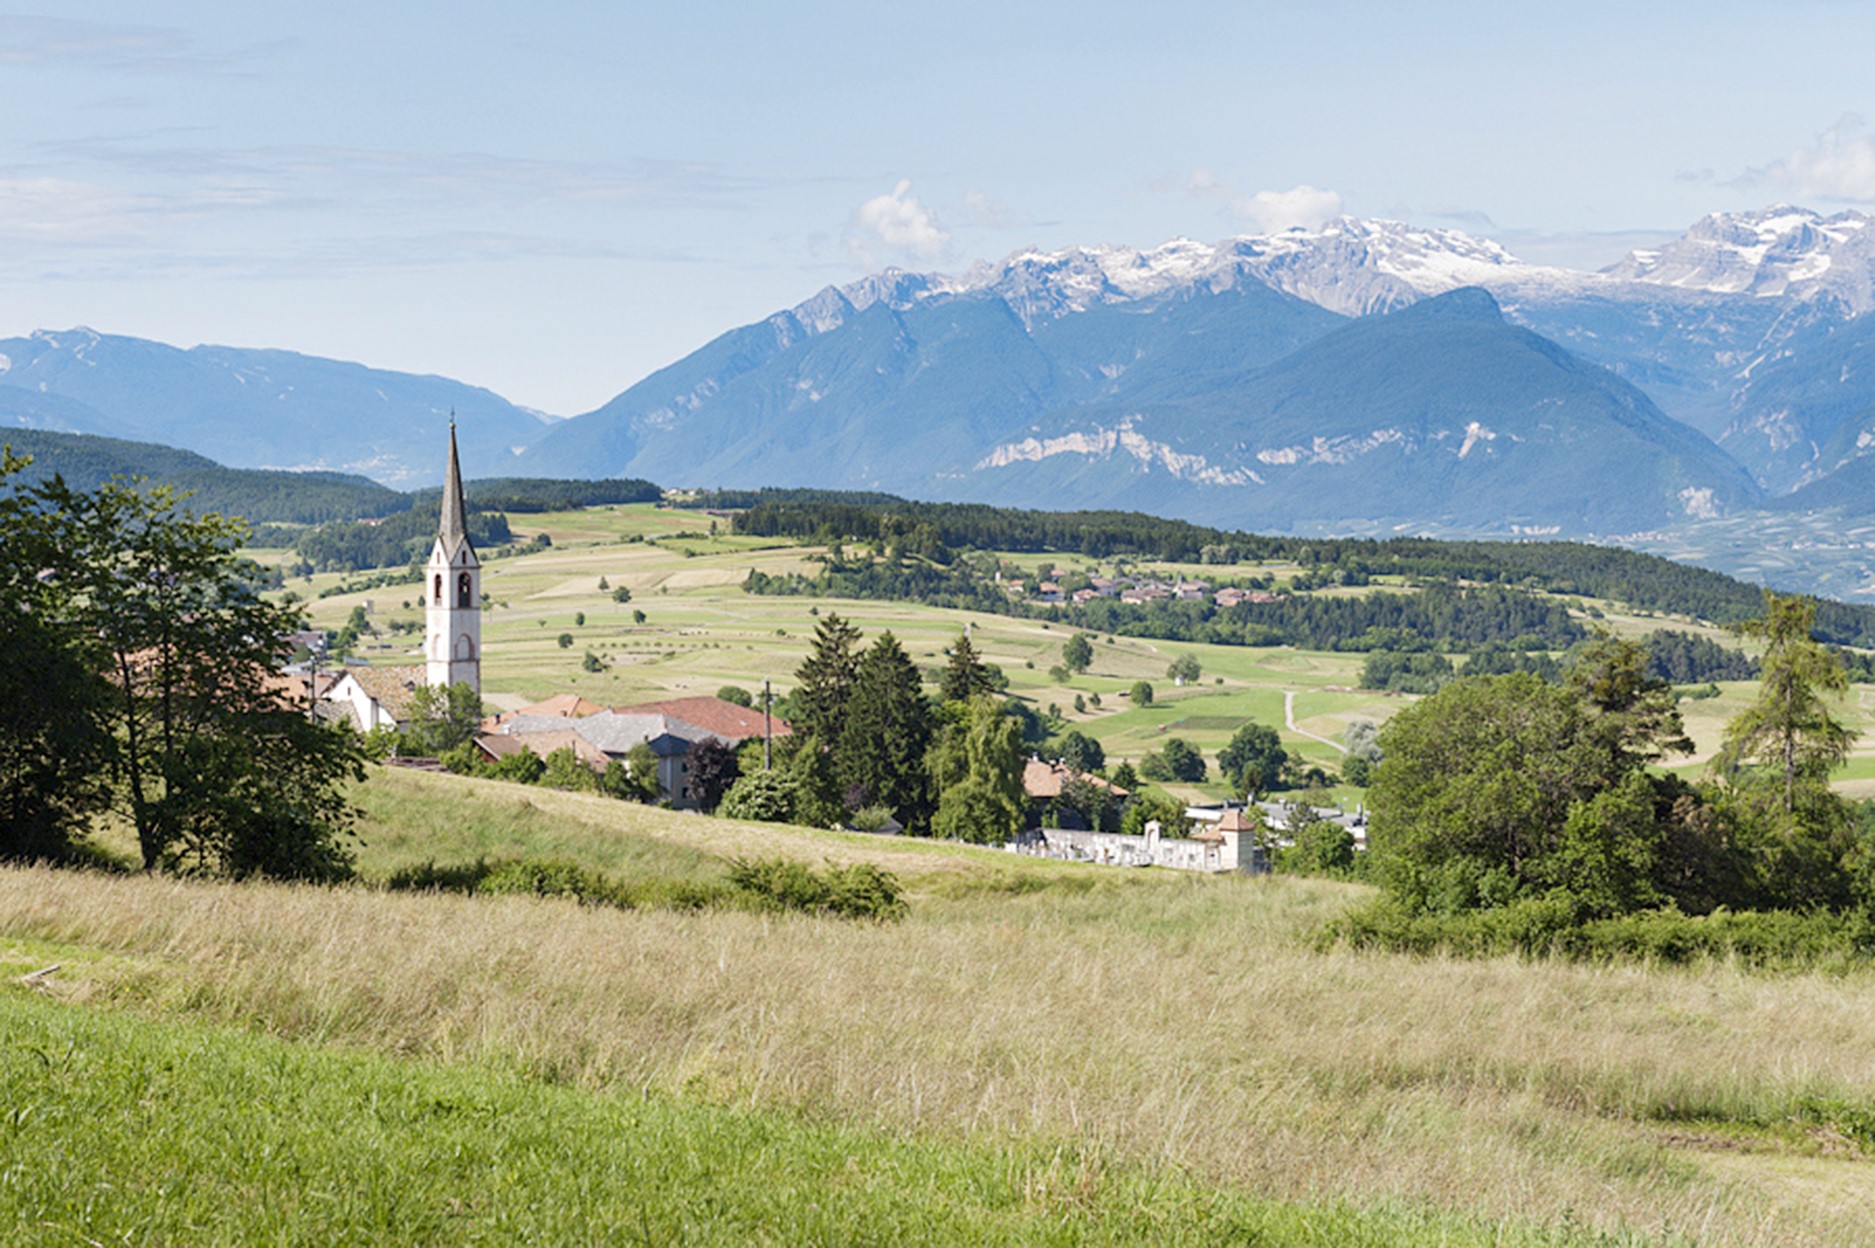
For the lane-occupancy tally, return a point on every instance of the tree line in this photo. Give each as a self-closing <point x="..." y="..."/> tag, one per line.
<point x="942" y="531"/>
<point x="1442" y="616"/>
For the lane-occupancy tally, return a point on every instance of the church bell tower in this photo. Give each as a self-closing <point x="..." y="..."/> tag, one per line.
<point x="452" y="591"/>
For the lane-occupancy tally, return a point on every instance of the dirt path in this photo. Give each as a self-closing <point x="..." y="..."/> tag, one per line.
<point x="1289" y="718"/>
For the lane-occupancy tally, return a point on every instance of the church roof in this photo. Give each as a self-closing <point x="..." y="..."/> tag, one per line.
<point x="454" y="530"/>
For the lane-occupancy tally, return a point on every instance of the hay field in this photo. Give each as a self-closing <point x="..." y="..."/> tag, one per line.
<point x="1166" y="1021"/>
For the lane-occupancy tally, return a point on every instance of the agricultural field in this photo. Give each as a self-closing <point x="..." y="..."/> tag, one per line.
<point x="700" y="632"/>
<point x="1039" y="1053"/>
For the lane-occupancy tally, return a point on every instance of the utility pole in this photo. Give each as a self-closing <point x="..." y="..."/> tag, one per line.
<point x="768" y="727"/>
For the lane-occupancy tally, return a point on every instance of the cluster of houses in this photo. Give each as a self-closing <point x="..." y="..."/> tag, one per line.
<point x="1141" y="589"/>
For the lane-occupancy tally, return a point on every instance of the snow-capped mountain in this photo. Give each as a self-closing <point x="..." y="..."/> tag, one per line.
<point x="1778" y="251"/>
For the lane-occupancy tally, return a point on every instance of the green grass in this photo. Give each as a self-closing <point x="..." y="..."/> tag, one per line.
<point x="125" y="1130"/>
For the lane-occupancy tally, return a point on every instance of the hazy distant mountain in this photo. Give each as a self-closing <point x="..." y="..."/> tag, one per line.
<point x="1737" y="329"/>
<point x="1751" y="329"/>
<point x="1437" y="414"/>
<point x="256" y="409"/>
<point x="881" y="383"/>
<point x="1178" y="381"/>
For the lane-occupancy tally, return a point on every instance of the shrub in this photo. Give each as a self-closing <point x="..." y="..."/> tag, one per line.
<point x="763" y="796"/>
<point x="861" y="891"/>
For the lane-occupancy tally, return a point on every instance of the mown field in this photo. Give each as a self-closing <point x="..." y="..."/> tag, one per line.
<point x="701" y="632"/>
<point x="1040" y="1052"/>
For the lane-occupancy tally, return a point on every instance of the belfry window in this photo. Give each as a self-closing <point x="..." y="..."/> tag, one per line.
<point x="437" y="597"/>
<point x="463" y="590"/>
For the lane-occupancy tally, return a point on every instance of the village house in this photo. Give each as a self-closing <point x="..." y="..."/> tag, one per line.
<point x="376" y="697"/>
<point x="669" y="728"/>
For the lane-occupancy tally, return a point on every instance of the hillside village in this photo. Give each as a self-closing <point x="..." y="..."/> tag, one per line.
<point x="668" y="738"/>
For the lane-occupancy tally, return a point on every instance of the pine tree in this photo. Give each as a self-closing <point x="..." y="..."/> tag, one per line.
<point x="966" y="677"/>
<point x="825" y="679"/>
<point x="886" y="730"/>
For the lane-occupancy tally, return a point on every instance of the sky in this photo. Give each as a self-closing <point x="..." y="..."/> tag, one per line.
<point x="553" y="200"/>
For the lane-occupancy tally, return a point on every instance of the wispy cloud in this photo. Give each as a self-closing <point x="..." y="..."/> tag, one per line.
<point x="895" y="228"/>
<point x="1267" y="212"/>
<point x="37" y="40"/>
<point x="317" y="174"/>
<point x="1839" y="165"/>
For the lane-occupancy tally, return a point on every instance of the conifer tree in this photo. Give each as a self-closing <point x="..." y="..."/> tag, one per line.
<point x="886" y="731"/>
<point x="825" y="679"/>
<point x="966" y="677"/>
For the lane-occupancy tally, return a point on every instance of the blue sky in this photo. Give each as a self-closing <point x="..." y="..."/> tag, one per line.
<point x="553" y="200"/>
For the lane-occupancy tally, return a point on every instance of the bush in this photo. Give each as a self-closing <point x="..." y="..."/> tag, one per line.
<point x="762" y="796"/>
<point x="1555" y="926"/>
<point x="861" y="891"/>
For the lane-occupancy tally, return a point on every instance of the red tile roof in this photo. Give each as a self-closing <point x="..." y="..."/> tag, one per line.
<point x="712" y="715"/>
<point x="1043" y="781"/>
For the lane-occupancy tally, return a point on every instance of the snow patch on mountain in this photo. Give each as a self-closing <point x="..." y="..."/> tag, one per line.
<point x="1105" y="442"/>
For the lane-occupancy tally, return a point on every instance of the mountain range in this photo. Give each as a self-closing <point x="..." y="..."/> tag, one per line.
<point x="1366" y="372"/>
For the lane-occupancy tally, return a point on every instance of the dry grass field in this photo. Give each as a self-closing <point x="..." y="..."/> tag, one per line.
<point x="1166" y="1021"/>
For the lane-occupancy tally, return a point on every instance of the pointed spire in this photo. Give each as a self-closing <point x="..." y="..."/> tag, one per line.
<point x="455" y="523"/>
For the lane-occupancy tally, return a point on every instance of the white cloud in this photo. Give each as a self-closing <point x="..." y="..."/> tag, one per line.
<point x="895" y="228"/>
<point x="1266" y="212"/>
<point x="1270" y="211"/>
<point x="1839" y="165"/>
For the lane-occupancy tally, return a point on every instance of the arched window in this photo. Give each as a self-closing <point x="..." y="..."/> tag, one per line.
<point x="465" y="649"/>
<point x="437" y="597"/>
<point x="462" y="590"/>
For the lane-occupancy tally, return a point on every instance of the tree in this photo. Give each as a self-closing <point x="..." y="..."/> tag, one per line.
<point x="976" y="765"/>
<point x="215" y="765"/>
<point x="54" y="744"/>
<point x="1150" y="807"/>
<point x="442" y="717"/>
<point x="622" y="594"/>
<point x="1184" y="670"/>
<point x="1077" y="653"/>
<point x="1079" y="752"/>
<point x="1141" y="693"/>
<point x="712" y="768"/>
<point x="566" y="641"/>
<point x="885" y="730"/>
<point x="1179" y="761"/>
<point x="1790" y="727"/>
<point x="966" y="676"/>
<point x="824" y="681"/>
<point x="1091" y="800"/>
<point x="1254" y="759"/>
<point x="736" y="694"/>
<point x="1477" y="789"/>
<point x="566" y="770"/>
<point x="1125" y="777"/>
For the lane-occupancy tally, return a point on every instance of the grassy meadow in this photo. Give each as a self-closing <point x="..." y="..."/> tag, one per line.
<point x="1041" y="1052"/>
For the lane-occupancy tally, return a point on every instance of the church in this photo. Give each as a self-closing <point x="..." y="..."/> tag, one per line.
<point x="452" y="637"/>
<point x="380" y="697"/>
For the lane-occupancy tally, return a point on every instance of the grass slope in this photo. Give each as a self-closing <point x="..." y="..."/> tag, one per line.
<point x="1179" y="1024"/>
<point x="123" y="1130"/>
